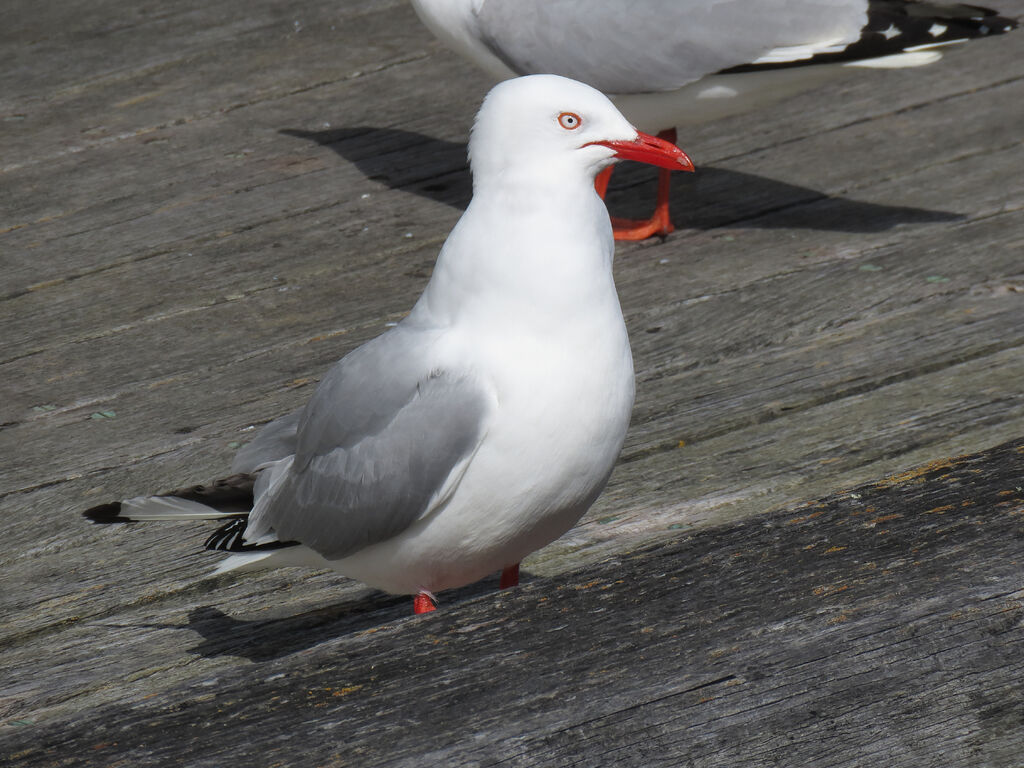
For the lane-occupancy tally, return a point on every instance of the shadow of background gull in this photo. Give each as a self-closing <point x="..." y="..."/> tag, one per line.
<point x="708" y="199"/>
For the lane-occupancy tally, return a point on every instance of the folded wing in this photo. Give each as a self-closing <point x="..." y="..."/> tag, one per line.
<point x="384" y="440"/>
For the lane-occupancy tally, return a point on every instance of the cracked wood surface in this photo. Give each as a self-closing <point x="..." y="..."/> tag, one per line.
<point x="878" y="625"/>
<point x="204" y="205"/>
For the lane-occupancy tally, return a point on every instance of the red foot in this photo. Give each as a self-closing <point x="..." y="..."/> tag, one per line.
<point x="423" y="603"/>
<point x="660" y="222"/>
<point x="509" y="577"/>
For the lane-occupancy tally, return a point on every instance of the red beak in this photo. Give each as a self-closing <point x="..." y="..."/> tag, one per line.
<point x="651" y="150"/>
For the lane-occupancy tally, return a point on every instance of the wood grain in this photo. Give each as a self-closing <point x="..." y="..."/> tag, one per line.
<point x="879" y="624"/>
<point x="203" y="205"/>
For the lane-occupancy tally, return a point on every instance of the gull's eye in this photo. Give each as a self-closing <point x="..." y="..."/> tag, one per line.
<point x="569" y="120"/>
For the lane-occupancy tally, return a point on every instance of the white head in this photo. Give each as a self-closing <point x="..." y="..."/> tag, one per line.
<point x="554" y="125"/>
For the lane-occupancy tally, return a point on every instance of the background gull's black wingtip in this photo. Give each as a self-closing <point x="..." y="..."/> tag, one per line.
<point x="106" y="513"/>
<point x="894" y="27"/>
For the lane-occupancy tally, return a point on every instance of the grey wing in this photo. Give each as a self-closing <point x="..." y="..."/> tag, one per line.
<point x="358" y="395"/>
<point x="374" y="453"/>
<point x="657" y="45"/>
<point x="274" y="442"/>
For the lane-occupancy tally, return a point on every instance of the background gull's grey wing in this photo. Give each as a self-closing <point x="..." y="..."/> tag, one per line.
<point x="274" y="442"/>
<point x="658" y="45"/>
<point x="662" y="45"/>
<point x="385" y="437"/>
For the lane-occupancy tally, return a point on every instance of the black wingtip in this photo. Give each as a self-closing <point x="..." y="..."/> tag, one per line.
<point x="896" y="27"/>
<point x="230" y="537"/>
<point x="106" y="513"/>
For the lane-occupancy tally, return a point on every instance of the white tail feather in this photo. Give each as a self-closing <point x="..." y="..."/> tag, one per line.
<point x="145" y="508"/>
<point x="296" y="556"/>
<point x="245" y="561"/>
<point x="897" y="60"/>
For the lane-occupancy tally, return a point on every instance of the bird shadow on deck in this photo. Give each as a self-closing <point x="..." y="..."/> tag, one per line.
<point x="708" y="199"/>
<point x="268" y="639"/>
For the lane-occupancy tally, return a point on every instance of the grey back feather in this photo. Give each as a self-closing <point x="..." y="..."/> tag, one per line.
<point x="374" y="447"/>
<point x="274" y="442"/>
<point x="364" y="391"/>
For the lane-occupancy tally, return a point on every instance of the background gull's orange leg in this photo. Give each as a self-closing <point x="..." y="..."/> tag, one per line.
<point x="660" y="222"/>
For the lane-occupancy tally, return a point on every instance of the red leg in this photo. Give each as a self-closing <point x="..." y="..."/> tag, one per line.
<point x="660" y="222"/>
<point x="423" y="603"/>
<point x="601" y="182"/>
<point x="509" y="577"/>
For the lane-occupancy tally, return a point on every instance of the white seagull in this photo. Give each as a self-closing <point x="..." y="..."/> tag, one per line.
<point x="672" y="63"/>
<point x="483" y="425"/>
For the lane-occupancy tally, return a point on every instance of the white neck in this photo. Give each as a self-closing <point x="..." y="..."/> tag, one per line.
<point x="524" y="242"/>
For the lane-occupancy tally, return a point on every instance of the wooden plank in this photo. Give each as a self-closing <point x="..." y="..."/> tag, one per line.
<point x="208" y="206"/>
<point x="881" y="623"/>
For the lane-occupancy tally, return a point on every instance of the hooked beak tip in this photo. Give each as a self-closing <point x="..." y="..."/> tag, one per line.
<point x="651" y="150"/>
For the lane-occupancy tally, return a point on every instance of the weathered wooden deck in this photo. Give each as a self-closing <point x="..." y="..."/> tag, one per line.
<point x="204" y="204"/>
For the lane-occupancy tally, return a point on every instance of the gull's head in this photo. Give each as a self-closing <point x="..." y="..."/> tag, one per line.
<point x="554" y="125"/>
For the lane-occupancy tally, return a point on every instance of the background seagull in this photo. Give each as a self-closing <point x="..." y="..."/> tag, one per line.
<point x="672" y="63"/>
<point x="487" y="422"/>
